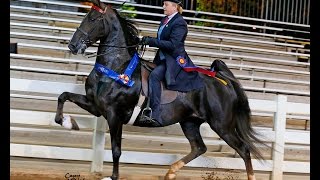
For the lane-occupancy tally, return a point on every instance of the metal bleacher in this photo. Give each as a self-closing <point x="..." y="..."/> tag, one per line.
<point x="266" y="64"/>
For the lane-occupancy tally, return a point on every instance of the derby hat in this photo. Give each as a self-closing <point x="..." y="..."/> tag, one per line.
<point x="175" y="1"/>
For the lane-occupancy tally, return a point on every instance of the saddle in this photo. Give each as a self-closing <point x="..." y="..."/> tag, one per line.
<point x="167" y="96"/>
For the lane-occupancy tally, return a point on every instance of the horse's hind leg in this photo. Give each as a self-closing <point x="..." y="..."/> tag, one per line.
<point x="242" y="149"/>
<point x="81" y="100"/>
<point x="191" y="129"/>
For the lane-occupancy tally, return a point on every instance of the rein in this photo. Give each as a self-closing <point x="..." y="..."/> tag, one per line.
<point x="125" y="78"/>
<point x="126" y="47"/>
<point x="96" y="55"/>
<point x="143" y="49"/>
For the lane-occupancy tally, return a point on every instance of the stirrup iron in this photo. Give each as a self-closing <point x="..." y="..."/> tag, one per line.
<point x="147" y="108"/>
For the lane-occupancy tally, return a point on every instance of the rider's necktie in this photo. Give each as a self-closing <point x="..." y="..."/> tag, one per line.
<point x="165" y="20"/>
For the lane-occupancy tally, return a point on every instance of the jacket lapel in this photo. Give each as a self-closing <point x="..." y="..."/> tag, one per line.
<point x="173" y="18"/>
<point x="168" y="24"/>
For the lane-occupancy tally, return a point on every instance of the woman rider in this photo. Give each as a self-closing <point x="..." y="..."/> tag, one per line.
<point x="170" y="59"/>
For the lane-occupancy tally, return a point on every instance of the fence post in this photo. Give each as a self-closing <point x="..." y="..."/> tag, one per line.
<point x="278" y="145"/>
<point x="98" y="144"/>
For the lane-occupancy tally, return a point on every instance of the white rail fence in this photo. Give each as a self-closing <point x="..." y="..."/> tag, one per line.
<point x="278" y="136"/>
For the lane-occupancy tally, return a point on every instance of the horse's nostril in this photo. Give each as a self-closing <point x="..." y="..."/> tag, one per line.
<point x="71" y="47"/>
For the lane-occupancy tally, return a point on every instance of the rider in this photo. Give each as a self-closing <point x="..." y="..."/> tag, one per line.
<point x="170" y="39"/>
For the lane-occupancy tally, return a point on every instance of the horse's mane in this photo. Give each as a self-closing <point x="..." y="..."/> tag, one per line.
<point x="130" y="32"/>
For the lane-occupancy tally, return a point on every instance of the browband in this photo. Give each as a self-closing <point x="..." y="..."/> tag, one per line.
<point x="99" y="9"/>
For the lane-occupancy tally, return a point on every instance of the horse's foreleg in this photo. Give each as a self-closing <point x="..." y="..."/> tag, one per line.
<point x="81" y="100"/>
<point x="115" y="128"/>
<point x="191" y="130"/>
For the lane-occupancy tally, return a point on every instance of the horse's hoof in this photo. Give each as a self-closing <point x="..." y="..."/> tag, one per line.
<point x="251" y="177"/>
<point x="106" y="178"/>
<point x="69" y="123"/>
<point x="170" y="176"/>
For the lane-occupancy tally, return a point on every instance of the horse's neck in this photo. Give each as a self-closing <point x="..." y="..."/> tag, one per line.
<point x="114" y="57"/>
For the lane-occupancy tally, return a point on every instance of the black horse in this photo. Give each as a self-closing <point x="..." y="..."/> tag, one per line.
<point x="224" y="107"/>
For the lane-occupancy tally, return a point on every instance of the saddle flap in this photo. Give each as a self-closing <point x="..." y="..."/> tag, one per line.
<point x="167" y="96"/>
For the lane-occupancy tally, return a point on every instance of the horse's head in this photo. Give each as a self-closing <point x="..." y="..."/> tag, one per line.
<point x="93" y="27"/>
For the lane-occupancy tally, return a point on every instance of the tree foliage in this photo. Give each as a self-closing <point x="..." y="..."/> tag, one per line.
<point x="231" y="7"/>
<point x="129" y="8"/>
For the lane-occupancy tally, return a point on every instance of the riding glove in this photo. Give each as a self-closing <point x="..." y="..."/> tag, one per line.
<point x="145" y="40"/>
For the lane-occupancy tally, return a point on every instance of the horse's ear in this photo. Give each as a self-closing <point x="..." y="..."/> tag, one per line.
<point x="96" y="2"/>
<point x="103" y="5"/>
<point x="99" y="4"/>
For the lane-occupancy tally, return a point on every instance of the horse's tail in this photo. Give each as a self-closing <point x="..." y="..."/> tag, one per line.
<point x="241" y="110"/>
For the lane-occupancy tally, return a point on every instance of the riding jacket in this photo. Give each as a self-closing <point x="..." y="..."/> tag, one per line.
<point x="171" y="45"/>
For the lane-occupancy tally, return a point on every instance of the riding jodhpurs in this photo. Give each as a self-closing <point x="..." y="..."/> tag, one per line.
<point x="155" y="78"/>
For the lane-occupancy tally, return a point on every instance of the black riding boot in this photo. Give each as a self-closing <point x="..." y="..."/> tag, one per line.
<point x="155" y="98"/>
<point x="152" y="119"/>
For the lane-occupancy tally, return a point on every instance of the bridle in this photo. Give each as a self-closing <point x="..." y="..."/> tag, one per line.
<point x="87" y="39"/>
